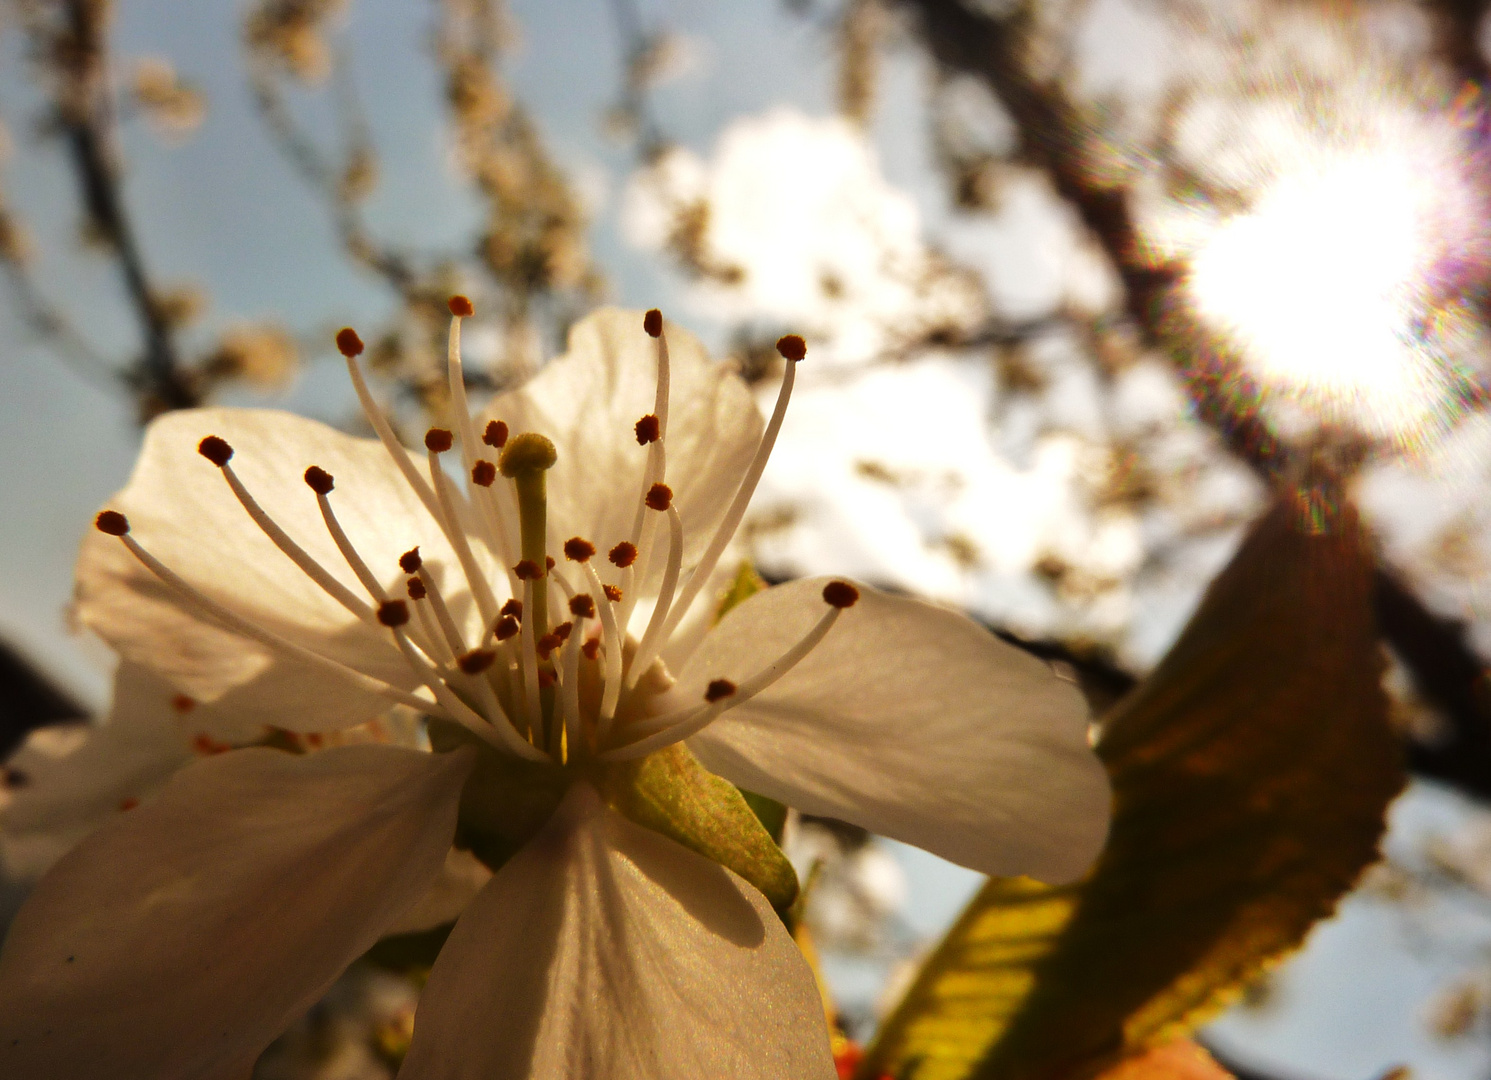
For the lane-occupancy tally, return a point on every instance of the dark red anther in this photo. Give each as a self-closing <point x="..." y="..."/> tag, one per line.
<point x="476" y="661"/>
<point x="215" y="450"/>
<point x="514" y="608"/>
<point x="840" y="594"/>
<point x="563" y="630"/>
<point x="438" y="440"/>
<point x="548" y="643"/>
<point x="319" y="480"/>
<point x="112" y="522"/>
<point x="652" y="322"/>
<point x="582" y="605"/>
<point x="659" y="497"/>
<point x="483" y="473"/>
<point x="348" y="343"/>
<point x="792" y="347"/>
<point x="613" y="594"/>
<point x="183" y="703"/>
<point x="496" y="434"/>
<point x="545" y="678"/>
<point x="623" y="554"/>
<point x="591" y="648"/>
<point x="460" y="307"/>
<point x="648" y="429"/>
<point x="718" y="690"/>
<point x="528" y="570"/>
<point x="411" y="561"/>
<point x="507" y="627"/>
<point x="393" y="613"/>
<point x="578" y="549"/>
<point x="416" y="589"/>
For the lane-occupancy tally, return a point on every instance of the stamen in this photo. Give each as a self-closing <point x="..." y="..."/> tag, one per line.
<point x="183" y="703"/>
<point x="840" y="594"/>
<point x="652" y="322"/>
<point x="529" y="643"/>
<point x="623" y="554"/>
<point x="659" y="731"/>
<point x="319" y="480"/>
<point x="411" y="561"/>
<point x="569" y="697"/>
<point x="416" y="589"/>
<point x="652" y="639"/>
<point x="611" y="680"/>
<point x="643" y="526"/>
<point x="496" y="523"/>
<point x="483" y="473"/>
<point x="351" y="346"/>
<point x="369" y="581"/>
<point x="548" y="643"/>
<point x="562" y="631"/>
<point x="793" y="349"/>
<point x="514" y="608"/>
<point x="507" y="627"/>
<point x="246" y="627"/>
<point x="647" y="429"/>
<point x="528" y="570"/>
<point x="583" y="606"/>
<point x="718" y="690"/>
<point x="496" y="434"/>
<point x="219" y="453"/>
<point x="485" y="601"/>
<point x="448" y="628"/>
<point x="438" y="440"/>
<point x="591" y="648"/>
<point x="578" y="549"/>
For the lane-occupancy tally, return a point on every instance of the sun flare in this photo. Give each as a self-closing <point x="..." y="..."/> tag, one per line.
<point x="1339" y="285"/>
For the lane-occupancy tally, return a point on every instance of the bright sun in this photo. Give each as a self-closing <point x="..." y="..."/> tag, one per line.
<point x="1327" y="284"/>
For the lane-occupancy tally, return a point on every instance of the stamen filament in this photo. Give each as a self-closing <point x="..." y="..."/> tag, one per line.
<point x="660" y="731"/>
<point x="652" y="638"/>
<point x="369" y="580"/>
<point x="643" y="526"/>
<point x="569" y="692"/>
<point x="529" y="645"/>
<point x="448" y="628"/>
<point x="486" y="603"/>
<point x="249" y="629"/>
<point x="439" y="649"/>
<point x="464" y="714"/>
<point x="611" y="639"/>
<point x="390" y="441"/>
<point x="297" y="554"/>
<point x="732" y="519"/>
<point x="483" y="497"/>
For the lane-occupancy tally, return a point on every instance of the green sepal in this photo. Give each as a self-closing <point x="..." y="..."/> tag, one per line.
<point x="506" y="799"/>
<point x="745" y="584"/>
<point x="671" y="793"/>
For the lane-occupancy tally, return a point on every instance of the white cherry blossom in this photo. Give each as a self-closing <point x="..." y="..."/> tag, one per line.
<point x="302" y="578"/>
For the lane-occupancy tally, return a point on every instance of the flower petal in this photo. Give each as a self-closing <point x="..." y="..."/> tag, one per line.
<point x="181" y="938"/>
<point x="912" y="721"/>
<point x="588" y="402"/>
<point x="182" y="511"/>
<point x="604" y="949"/>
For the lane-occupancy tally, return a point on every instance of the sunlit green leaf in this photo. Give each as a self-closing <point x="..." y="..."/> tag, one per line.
<point x="1250" y="773"/>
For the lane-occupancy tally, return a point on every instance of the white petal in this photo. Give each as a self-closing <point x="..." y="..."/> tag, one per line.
<point x="180" y="939"/>
<point x="461" y="878"/>
<point x="589" y="401"/>
<point x="605" y="950"/>
<point x="912" y="721"/>
<point x="182" y="510"/>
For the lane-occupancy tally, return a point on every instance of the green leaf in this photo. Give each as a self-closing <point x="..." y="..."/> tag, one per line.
<point x="671" y="793"/>
<point x="1250" y="772"/>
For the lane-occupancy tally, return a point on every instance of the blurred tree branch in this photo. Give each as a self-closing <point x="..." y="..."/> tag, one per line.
<point x="68" y="42"/>
<point x="1052" y="131"/>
